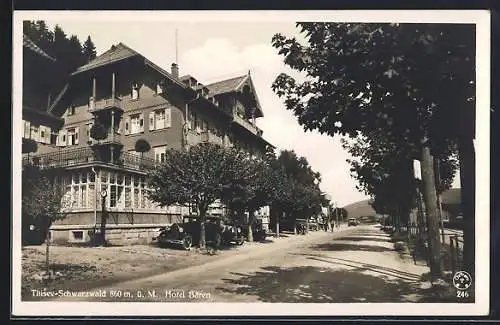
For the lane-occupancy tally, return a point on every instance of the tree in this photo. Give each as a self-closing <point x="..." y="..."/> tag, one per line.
<point x="384" y="79"/>
<point x="68" y="52"/>
<point x="260" y="183"/>
<point x="98" y="132"/>
<point x="42" y="203"/>
<point x="142" y="146"/>
<point x="300" y="195"/>
<point x="88" y="50"/>
<point x="201" y="175"/>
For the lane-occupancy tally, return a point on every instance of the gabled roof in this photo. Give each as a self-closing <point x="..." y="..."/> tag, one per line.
<point x="187" y="77"/>
<point x="115" y="53"/>
<point x="226" y="86"/>
<point x="121" y="52"/>
<point x="49" y="115"/>
<point x="232" y="85"/>
<point x="28" y="43"/>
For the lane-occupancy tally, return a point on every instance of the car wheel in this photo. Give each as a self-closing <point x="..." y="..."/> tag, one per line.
<point x="187" y="242"/>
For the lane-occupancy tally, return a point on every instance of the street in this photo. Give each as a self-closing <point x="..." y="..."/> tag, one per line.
<point x="356" y="264"/>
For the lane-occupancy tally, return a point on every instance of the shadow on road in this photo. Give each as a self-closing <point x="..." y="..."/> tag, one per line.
<point x="372" y="234"/>
<point x="367" y="238"/>
<point x="350" y="247"/>
<point x="360" y="267"/>
<point x="308" y="284"/>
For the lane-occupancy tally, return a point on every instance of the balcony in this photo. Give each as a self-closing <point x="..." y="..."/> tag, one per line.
<point x="193" y="138"/>
<point x="247" y="125"/>
<point x="105" y="104"/>
<point x="88" y="156"/>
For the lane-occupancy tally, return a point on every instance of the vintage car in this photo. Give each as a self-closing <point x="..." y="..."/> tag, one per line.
<point x="258" y="231"/>
<point x="313" y="223"/>
<point x="352" y="222"/>
<point x="187" y="233"/>
<point x="233" y="234"/>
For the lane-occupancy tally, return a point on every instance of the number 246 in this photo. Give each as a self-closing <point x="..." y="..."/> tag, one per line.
<point x="462" y="294"/>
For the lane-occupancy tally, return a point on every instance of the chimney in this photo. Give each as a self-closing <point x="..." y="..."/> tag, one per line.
<point x="175" y="70"/>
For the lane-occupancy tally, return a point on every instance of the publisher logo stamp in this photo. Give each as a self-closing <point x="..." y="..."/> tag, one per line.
<point x="462" y="280"/>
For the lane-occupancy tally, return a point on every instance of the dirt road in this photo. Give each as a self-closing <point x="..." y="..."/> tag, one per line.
<point x="357" y="264"/>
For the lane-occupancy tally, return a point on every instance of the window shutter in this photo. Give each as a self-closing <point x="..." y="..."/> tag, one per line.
<point x="168" y="117"/>
<point x="77" y="131"/>
<point x="141" y="122"/>
<point x="63" y="141"/>
<point x="151" y="121"/>
<point x="127" y="125"/>
<point x="48" y="135"/>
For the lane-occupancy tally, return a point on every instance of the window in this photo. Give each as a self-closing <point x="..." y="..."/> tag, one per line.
<point x="135" y="91"/>
<point x="42" y="133"/>
<point x="71" y="110"/>
<point x="78" y="235"/>
<point x="159" y="119"/>
<point x="89" y="126"/>
<point x="136" y="124"/>
<point x="160" y="154"/>
<point x="112" y="196"/>
<point x="128" y="199"/>
<point x="159" y="88"/>
<point x="72" y="136"/>
<point x="35" y="135"/>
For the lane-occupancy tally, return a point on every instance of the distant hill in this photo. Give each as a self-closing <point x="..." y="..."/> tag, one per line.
<point x="363" y="208"/>
<point x="359" y="209"/>
<point x="451" y="196"/>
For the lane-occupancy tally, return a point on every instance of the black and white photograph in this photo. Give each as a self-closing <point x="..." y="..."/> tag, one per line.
<point x="251" y="163"/>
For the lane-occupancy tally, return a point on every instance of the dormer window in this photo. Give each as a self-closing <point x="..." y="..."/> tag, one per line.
<point x="159" y="88"/>
<point x="205" y="92"/>
<point x="71" y="110"/>
<point x="135" y="91"/>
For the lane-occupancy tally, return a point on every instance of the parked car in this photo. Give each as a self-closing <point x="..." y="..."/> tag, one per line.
<point x="352" y="222"/>
<point x="187" y="233"/>
<point x="233" y="234"/>
<point x="258" y="231"/>
<point x="313" y="224"/>
<point x="301" y="226"/>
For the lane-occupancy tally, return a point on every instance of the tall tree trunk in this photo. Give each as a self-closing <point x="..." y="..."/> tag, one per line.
<point x="250" y="223"/>
<point x="203" y="216"/>
<point x="468" y="196"/>
<point x="437" y="173"/>
<point x="430" y="198"/>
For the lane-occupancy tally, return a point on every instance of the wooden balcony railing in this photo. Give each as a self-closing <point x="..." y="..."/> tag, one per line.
<point x="247" y="125"/>
<point x="87" y="155"/>
<point x="194" y="138"/>
<point x="105" y="103"/>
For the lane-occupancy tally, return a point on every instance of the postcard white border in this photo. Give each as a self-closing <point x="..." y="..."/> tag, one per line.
<point x="482" y="145"/>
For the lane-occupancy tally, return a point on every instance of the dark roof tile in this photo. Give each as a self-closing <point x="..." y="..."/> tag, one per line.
<point x="225" y="86"/>
<point x="115" y="53"/>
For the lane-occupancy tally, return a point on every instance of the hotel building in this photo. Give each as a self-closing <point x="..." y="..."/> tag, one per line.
<point x="133" y="99"/>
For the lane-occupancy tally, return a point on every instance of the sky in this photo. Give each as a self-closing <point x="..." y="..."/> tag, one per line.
<point x="212" y="51"/>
